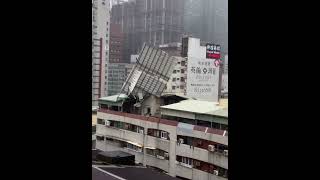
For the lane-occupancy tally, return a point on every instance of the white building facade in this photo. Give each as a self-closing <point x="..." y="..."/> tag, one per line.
<point x="100" y="48"/>
<point x="177" y="82"/>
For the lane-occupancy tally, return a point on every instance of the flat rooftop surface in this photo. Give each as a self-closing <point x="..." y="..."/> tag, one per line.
<point x="128" y="173"/>
<point x="200" y="107"/>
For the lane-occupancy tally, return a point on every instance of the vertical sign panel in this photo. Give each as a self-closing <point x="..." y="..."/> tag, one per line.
<point x="202" y="79"/>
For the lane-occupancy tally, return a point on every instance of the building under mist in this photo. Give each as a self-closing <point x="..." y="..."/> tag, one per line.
<point x="152" y="21"/>
<point x="208" y="21"/>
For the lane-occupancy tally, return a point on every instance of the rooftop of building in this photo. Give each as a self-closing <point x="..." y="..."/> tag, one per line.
<point x="111" y="172"/>
<point x="114" y="99"/>
<point x="202" y="107"/>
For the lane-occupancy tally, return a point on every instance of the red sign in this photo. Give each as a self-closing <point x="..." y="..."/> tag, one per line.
<point x="212" y="51"/>
<point x="213" y="56"/>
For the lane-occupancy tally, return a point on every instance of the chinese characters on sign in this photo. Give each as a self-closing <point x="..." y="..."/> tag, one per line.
<point x="203" y="78"/>
<point x="213" y="51"/>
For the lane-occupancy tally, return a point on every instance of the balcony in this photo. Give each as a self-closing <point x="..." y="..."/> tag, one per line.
<point x="158" y="143"/>
<point x="200" y="175"/>
<point x="183" y="171"/>
<point x="215" y="158"/>
<point x="195" y="174"/>
<point x="157" y="162"/>
<point x="120" y="134"/>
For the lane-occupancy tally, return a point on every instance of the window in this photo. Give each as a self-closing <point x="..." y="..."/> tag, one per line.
<point x="182" y="71"/>
<point x="181" y="87"/>
<point x="156" y="133"/>
<point x="186" y="160"/>
<point x="151" y="152"/>
<point x="178" y="79"/>
<point x="173" y="79"/>
<point x="100" y="138"/>
<point x="173" y="87"/>
<point x="164" y="135"/>
<point x="174" y="71"/>
<point x="182" y="79"/>
<point x="140" y="129"/>
<point x="101" y="121"/>
<point x="183" y="63"/>
<point x="179" y="62"/>
<point x="178" y="70"/>
<point x="134" y="147"/>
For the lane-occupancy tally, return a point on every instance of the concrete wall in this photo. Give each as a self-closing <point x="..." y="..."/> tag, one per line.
<point x="151" y="102"/>
<point x="202" y="155"/>
<point x="201" y="175"/>
<point x="158" y="143"/>
<point x="174" y="113"/>
<point x="183" y="171"/>
<point x="156" y="162"/>
<point x="120" y="134"/>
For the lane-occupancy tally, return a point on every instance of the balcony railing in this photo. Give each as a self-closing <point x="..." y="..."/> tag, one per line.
<point x="216" y="158"/>
<point x="162" y="121"/>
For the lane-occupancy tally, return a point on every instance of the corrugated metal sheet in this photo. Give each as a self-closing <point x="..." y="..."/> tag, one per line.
<point x="156" y="67"/>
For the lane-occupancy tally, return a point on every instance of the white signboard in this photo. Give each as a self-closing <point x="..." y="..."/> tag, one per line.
<point x="203" y="79"/>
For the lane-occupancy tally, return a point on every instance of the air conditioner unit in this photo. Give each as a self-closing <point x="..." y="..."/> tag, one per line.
<point x="211" y="148"/>
<point x="225" y="152"/>
<point x="166" y="155"/>
<point x="107" y="123"/>
<point x="216" y="172"/>
<point x="181" y="141"/>
<point x="197" y="163"/>
<point x="141" y="131"/>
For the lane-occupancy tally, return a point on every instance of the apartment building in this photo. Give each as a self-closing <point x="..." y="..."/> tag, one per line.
<point x="177" y="82"/>
<point x="116" y="44"/>
<point x="100" y="48"/>
<point x="184" y="141"/>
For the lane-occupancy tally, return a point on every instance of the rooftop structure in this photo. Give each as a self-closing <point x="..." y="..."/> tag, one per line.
<point x="203" y="107"/>
<point x="150" y="74"/>
<point x="208" y="114"/>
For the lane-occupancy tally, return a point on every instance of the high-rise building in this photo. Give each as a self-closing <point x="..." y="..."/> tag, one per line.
<point x="116" y="44"/>
<point x="208" y="21"/>
<point x="152" y="21"/>
<point x="117" y="75"/>
<point x="100" y="48"/>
